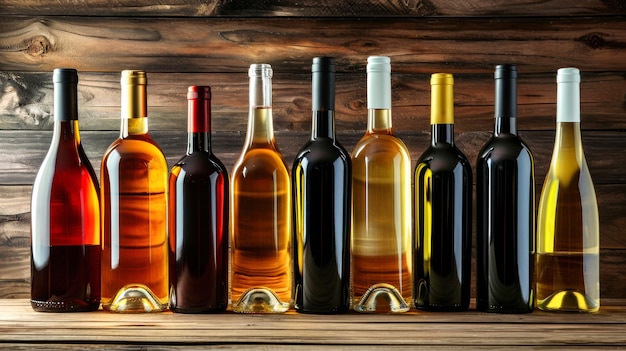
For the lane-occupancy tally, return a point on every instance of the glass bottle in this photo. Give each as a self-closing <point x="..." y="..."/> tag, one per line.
<point x="321" y="206"/>
<point x="568" y="233"/>
<point x="261" y="275"/>
<point x="443" y="211"/>
<point x="198" y="217"/>
<point x="381" y="218"/>
<point x="134" y="176"/>
<point x="505" y="205"/>
<point x="65" y="212"/>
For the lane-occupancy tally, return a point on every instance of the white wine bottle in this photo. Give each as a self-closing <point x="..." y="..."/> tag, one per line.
<point x="568" y="239"/>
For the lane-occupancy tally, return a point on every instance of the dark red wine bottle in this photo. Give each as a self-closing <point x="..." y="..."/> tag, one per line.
<point x="198" y="217"/>
<point x="505" y="209"/>
<point x="321" y="178"/>
<point x="65" y="212"/>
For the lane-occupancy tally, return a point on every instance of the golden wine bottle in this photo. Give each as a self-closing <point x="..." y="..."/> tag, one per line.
<point x="381" y="218"/>
<point x="261" y="211"/>
<point x="134" y="176"/>
<point x="568" y="234"/>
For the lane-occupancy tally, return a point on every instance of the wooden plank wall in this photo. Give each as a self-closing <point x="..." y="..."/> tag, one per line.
<point x="184" y="42"/>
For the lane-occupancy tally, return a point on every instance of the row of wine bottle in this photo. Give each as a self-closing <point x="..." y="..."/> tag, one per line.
<point x="339" y="230"/>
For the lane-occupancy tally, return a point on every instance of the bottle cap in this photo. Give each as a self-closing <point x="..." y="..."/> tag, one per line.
<point x="65" y="75"/>
<point x="506" y="91"/>
<point x="263" y="70"/>
<point x="378" y="82"/>
<point x="506" y="71"/>
<point x="442" y="98"/>
<point x="323" y="70"/>
<point x="199" y="109"/>
<point x="65" y="94"/>
<point x="197" y="92"/>
<point x="568" y="95"/>
<point x="134" y="95"/>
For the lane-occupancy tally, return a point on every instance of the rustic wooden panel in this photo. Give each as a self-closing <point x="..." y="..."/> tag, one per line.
<point x="416" y="45"/>
<point x="227" y="330"/>
<point x="26" y="100"/>
<point x="295" y="8"/>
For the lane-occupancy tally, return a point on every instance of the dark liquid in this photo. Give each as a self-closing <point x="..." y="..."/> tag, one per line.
<point x="443" y="221"/>
<point x="70" y="281"/>
<point x="505" y="227"/>
<point x="322" y="228"/>
<point x="198" y="235"/>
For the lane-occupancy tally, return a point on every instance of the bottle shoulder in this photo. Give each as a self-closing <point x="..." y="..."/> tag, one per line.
<point x="260" y="160"/>
<point x="504" y="148"/>
<point x="371" y="145"/>
<point x="443" y="156"/>
<point x="200" y="163"/>
<point x="322" y="150"/>
<point x="135" y="147"/>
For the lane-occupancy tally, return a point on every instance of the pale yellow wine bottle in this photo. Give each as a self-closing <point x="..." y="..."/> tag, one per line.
<point x="568" y="239"/>
<point x="381" y="218"/>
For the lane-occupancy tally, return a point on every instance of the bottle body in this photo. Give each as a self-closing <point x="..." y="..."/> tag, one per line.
<point x="505" y="205"/>
<point x="261" y="276"/>
<point x="381" y="218"/>
<point x="134" y="176"/>
<point x="65" y="211"/>
<point x="198" y="219"/>
<point x="443" y="213"/>
<point x="568" y="241"/>
<point x="321" y="182"/>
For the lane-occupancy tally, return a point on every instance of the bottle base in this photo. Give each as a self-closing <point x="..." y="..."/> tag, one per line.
<point x="569" y="301"/>
<point x="382" y="298"/>
<point x="259" y="300"/>
<point x="135" y="298"/>
<point x="74" y="305"/>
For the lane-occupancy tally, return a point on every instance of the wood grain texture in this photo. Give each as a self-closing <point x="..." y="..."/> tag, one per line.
<point x="416" y="45"/>
<point x="414" y="329"/>
<point x="26" y="101"/>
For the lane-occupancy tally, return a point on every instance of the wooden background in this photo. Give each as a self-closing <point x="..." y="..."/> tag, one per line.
<point x="184" y="42"/>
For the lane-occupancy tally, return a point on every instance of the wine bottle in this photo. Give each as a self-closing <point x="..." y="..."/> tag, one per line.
<point x="381" y="218"/>
<point x="568" y="234"/>
<point x="134" y="176"/>
<point x="443" y="211"/>
<point x="321" y="206"/>
<point x="198" y="217"/>
<point x="505" y="205"/>
<point x="261" y="276"/>
<point x="65" y="212"/>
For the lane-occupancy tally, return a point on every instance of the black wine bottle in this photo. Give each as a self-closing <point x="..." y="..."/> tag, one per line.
<point x="505" y="209"/>
<point x="443" y="211"/>
<point x="321" y="178"/>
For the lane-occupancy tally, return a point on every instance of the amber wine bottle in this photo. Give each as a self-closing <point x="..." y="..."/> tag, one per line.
<point x="65" y="212"/>
<point x="321" y="206"/>
<point x="505" y="206"/>
<point x="568" y="234"/>
<point x="198" y="217"/>
<point x="443" y="211"/>
<point x="134" y="176"/>
<point x="381" y="218"/>
<point x="261" y="211"/>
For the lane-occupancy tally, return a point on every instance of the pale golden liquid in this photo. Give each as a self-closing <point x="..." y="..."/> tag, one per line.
<point x="568" y="230"/>
<point x="134" y="183"/>
<point x="381" y="218"/>
<point x="261" y="225"/>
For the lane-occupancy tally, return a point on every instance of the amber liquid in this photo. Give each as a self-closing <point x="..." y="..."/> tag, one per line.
<point x="134" y="214"/>
<point x="261" y="221"/>
<point x="381" y="219"/>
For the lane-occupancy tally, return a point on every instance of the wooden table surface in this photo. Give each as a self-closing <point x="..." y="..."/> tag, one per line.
<point x="23" y="329"/>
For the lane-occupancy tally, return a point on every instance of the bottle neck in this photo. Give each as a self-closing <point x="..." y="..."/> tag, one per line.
<point x="442" y="134"/>
<point x="260" y="120"/>
<point x="568" y="148"/>
<point x="134" y="104"/>
<point x="66" y="131"/>
<point x="323" y="124"/>
<point x="379" y="121"/>
<point x="198" y="120"/>
<point x="505" y="110"/>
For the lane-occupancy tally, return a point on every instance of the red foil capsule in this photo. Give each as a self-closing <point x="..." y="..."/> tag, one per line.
<point x="199" y="101"/>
